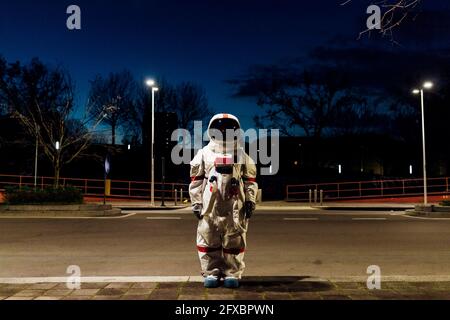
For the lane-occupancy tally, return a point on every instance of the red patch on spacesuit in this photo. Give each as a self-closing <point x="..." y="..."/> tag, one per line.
<point x="197" y="178"/>
<point x="233" y="251"/>
<point x="225" y="116"/>
<point x="211" y="188"/>
<point x="224" y="160"/>
<point x="206" y="249"/>
<point x="250" y="179"/>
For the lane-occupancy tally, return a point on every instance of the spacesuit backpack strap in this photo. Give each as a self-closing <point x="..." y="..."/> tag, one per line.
<point x="197" y="179"/>
<point x="249" y="179"/>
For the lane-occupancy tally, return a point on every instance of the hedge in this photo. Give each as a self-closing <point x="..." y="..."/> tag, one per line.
<point x="26" y="195"/>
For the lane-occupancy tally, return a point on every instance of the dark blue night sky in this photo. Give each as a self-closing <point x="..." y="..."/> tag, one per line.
<point x="206" y="41"/>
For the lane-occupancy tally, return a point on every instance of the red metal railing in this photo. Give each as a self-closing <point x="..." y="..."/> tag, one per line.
<point x="368" y="189"/>
<point x="95" y="187"/>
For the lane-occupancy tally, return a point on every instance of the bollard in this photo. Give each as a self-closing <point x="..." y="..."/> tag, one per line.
<point x="310" y="196"/>
<point x="176" y="191"/>
<point x="321" y="197"/>
<point x="315" y="196"/>
<point x="181" y="195"/>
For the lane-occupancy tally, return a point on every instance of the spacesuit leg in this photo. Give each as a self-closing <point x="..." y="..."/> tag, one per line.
<point x="234" y="244"/>
<point x="209" y="245"/>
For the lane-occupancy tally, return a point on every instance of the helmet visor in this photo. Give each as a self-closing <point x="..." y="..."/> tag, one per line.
<point x="218" y="129"/>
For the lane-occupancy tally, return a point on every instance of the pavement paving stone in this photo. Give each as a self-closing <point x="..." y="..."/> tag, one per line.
<point x="249" y="291"/>
<point x="218" y="296"/>
<point x="106" y="298"/>
<point x="48" y="298"/>
<point x="146" y="285"/>
<point x="189" y="291"/>
<point x="191" y="297"/>
<point x="112" y="292"/>
<point x="83" y="285"/>
<point x="20" y="298"/>
<point x="164" y="294"/>
<point x="335" y="297"/>
<point x="399" y="286"/>
<point x="221" y="290"/>
<point x="135" y="297"/>
<point x="85" y="292"/>
<point x="350" y="285"/>
<point x="29" y="293"/>
<point x="248" y="296"/>
<point x="364" y="297"/>
<point x="42" y="286"/>
<point x="277" y="296"/>
<point x="9" y="292"/>
<point x="138" y="291"/>
<point x="305" y="296"/>
<point x="170" y="285"/>
<point x="119" y="285"/>
<point x="58" y="293"/>
<point x="387" y="294"/>
<point x="194" y="285"/>
<point x="77" y="298"/>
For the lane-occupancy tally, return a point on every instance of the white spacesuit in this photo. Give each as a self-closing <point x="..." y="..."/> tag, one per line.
<point x="223" y="192"/>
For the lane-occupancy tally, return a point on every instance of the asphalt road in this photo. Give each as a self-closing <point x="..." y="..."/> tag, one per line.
<point x="311" y="243"/>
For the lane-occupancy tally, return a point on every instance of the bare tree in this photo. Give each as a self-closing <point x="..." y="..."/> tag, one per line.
<point x="191" y="104"/>
<point x="294" y="99"/>
<point x="42" y="98"/>
<point x="114" y="97"/>
<point x="187" y="100"/>
<point x="395" y="13"/>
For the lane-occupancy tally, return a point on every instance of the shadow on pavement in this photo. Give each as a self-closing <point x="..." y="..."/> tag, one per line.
<point x="284" y="284"/>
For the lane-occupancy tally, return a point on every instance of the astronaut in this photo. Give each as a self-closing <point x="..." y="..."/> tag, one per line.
<point x="223" y="193"/>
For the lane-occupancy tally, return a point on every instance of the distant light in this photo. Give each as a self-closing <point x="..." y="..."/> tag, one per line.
<point x="295" y="163"/>
<point x="57" y="145"/>
<point x="340" y="169"/>
<point x="428" y="85"/>
<point x="155" y="89"/>
<point x="150" y="82"/>
<point x="410" y="169"/>
<point x="129" y="147"/>
<point x="416" y="91"/>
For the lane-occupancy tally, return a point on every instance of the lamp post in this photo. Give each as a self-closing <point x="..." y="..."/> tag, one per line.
<point x="36" y="157"/>
<point x="151" y="84"/>
<point x="426" y="85"/>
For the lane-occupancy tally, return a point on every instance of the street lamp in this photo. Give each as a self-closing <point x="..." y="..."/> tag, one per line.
<point x="151" y="84"/>
<point x="426" y="85"/>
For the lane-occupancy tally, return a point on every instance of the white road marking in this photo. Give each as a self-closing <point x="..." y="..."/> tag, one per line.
<point x="53" y="217"/>
<point x="369" y="219"/>
<point x="300" y="219"/>
<point x="163" y="218"/>
<point x="27" y="280"/>
<point x="425" y="218"/>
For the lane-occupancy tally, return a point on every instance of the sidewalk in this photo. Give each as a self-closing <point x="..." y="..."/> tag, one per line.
<point x="272" y="206"/>
<point x="256" y="288"/>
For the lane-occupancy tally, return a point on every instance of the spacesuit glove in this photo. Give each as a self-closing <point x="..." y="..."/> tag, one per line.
<point x="249" y="208"/>
<point x="197" y="209"/>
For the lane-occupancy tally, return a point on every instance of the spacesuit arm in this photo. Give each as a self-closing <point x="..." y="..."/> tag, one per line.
<point x="249" y="177"/>
<point x="197" y="178"/>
